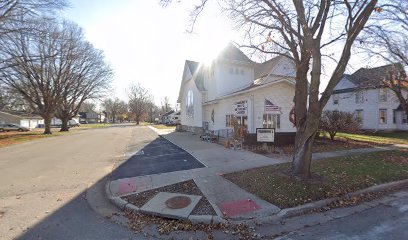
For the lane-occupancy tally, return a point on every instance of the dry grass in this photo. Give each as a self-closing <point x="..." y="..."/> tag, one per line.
<point x="337" y="177"/>
<point x="161" y="126"/>
<point x="377" y="138"/>
<point x="12" y="138"/>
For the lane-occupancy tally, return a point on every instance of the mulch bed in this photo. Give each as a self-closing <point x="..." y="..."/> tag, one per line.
<point x="327" y="145"/>
<point x="188" y="187"/>
<point x="320" y="145"/>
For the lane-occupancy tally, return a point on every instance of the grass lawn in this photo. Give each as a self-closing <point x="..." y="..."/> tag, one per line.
<point x="377" y="138"/>
<point x="339" y="176"/>
<point x="161" y="126"/>
<point x="144" y="124"/>
<point x="93" y="125"/>
<point x="11" y="138"/>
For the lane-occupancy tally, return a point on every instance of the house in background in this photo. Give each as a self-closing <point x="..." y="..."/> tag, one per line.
<point x="72" y="122"/>
<point x="90" y="117"/>
<point x="23" y="119"/>
<point x="170" y="117"/>
<point x="363" y="93"/>
<point x="257" y="95"/>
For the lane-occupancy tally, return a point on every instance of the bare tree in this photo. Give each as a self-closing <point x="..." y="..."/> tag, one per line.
<point x="114" y="107"/>
<point x="397" y="81"/>
<point x="301" y="30"/>
<point x="387" y="38"/>
<point x="333" y="122"/>
<point x="86" y="74"/>
<point x="24" y="16"/>
<point x="15" y="13"/>
<point x="165" y="105"/>
<point x="35" y="68"/>
<point x="139" y="99"/>
<point x="11" y="100"/>
<point x="153" y="110"/>
<point x="87" y="106"/>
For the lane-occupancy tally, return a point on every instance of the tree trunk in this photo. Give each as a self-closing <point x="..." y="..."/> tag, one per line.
<point x="47" y="124"/>
<point x="305" y="136"/>
<point x="303" y="154"/>
<point x="332" y="136"/>
<point x="64" y="124"/>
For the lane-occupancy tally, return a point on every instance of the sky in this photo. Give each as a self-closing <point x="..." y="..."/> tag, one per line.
<point x="148" y="44"/>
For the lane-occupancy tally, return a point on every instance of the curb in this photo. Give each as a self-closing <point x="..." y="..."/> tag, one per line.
<point x="284" y="213"/>
<point x="194" y="219"/>
<point x="290" y="212"/>
<point x="117" y="201"/>
<point x="377" y="188"/>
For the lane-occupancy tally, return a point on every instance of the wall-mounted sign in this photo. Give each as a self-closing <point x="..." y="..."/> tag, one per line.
<point x="265" y="135"/>
<point x="241" y="108"/>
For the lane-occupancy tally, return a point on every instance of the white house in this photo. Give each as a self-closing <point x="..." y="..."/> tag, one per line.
<point x="259" y="95"/>
<point x="72" y="122"/>
<point x="23" y="119"/>
<point x="170" y="117"/>
<point x="362" y="93"/>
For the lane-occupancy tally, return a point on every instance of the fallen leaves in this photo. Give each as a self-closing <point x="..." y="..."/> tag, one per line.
<point x="327" y="145"/>
<point x="402" y="160"/>
<point x="138" y="221"/>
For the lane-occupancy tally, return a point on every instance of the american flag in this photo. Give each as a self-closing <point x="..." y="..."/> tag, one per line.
<point x="270" y="107"/>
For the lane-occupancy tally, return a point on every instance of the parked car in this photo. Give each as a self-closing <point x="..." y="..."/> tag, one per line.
<point x="12" y="127"/>
<point x="74" y="123"/>
<point x="71" y="123"/>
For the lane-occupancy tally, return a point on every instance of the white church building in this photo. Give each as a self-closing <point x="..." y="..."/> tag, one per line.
<point x="258" y="95"/>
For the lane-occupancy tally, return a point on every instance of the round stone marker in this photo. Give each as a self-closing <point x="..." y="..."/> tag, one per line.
<point x="178" y="202"/>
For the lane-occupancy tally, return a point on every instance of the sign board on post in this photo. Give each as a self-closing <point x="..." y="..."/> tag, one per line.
<point x="241" y="108"/>
<point x="265" y="135"/>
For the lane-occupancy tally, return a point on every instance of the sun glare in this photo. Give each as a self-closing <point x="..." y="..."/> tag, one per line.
<point x="211" y="50"/>
<point x="213" y="37"/>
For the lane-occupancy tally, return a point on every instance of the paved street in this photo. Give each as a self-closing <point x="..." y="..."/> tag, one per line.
<point x="386" y="221"/>
<point x="43" y="185"/>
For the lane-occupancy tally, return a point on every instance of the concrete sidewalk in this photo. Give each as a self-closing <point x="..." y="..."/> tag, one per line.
<point x="227" y="199"/>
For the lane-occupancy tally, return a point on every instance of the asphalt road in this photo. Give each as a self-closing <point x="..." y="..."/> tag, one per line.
<point x="44" y="185"/>
<point x="159" y="156"/>
<point x="384" y="222"/>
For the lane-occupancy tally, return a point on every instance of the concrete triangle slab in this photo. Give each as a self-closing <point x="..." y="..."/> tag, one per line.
<point x="171" y="205"/>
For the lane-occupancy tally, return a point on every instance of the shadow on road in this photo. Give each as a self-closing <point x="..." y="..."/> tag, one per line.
<point x="78" y="219"/>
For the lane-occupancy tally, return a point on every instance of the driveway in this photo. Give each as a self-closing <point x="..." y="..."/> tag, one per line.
<point x="159" y="156"/>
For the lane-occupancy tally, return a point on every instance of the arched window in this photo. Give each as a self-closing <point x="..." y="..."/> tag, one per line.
<point x="190" y="104"/>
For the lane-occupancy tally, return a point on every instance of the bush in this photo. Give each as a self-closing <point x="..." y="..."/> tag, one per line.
<point x="333" y="122"/>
